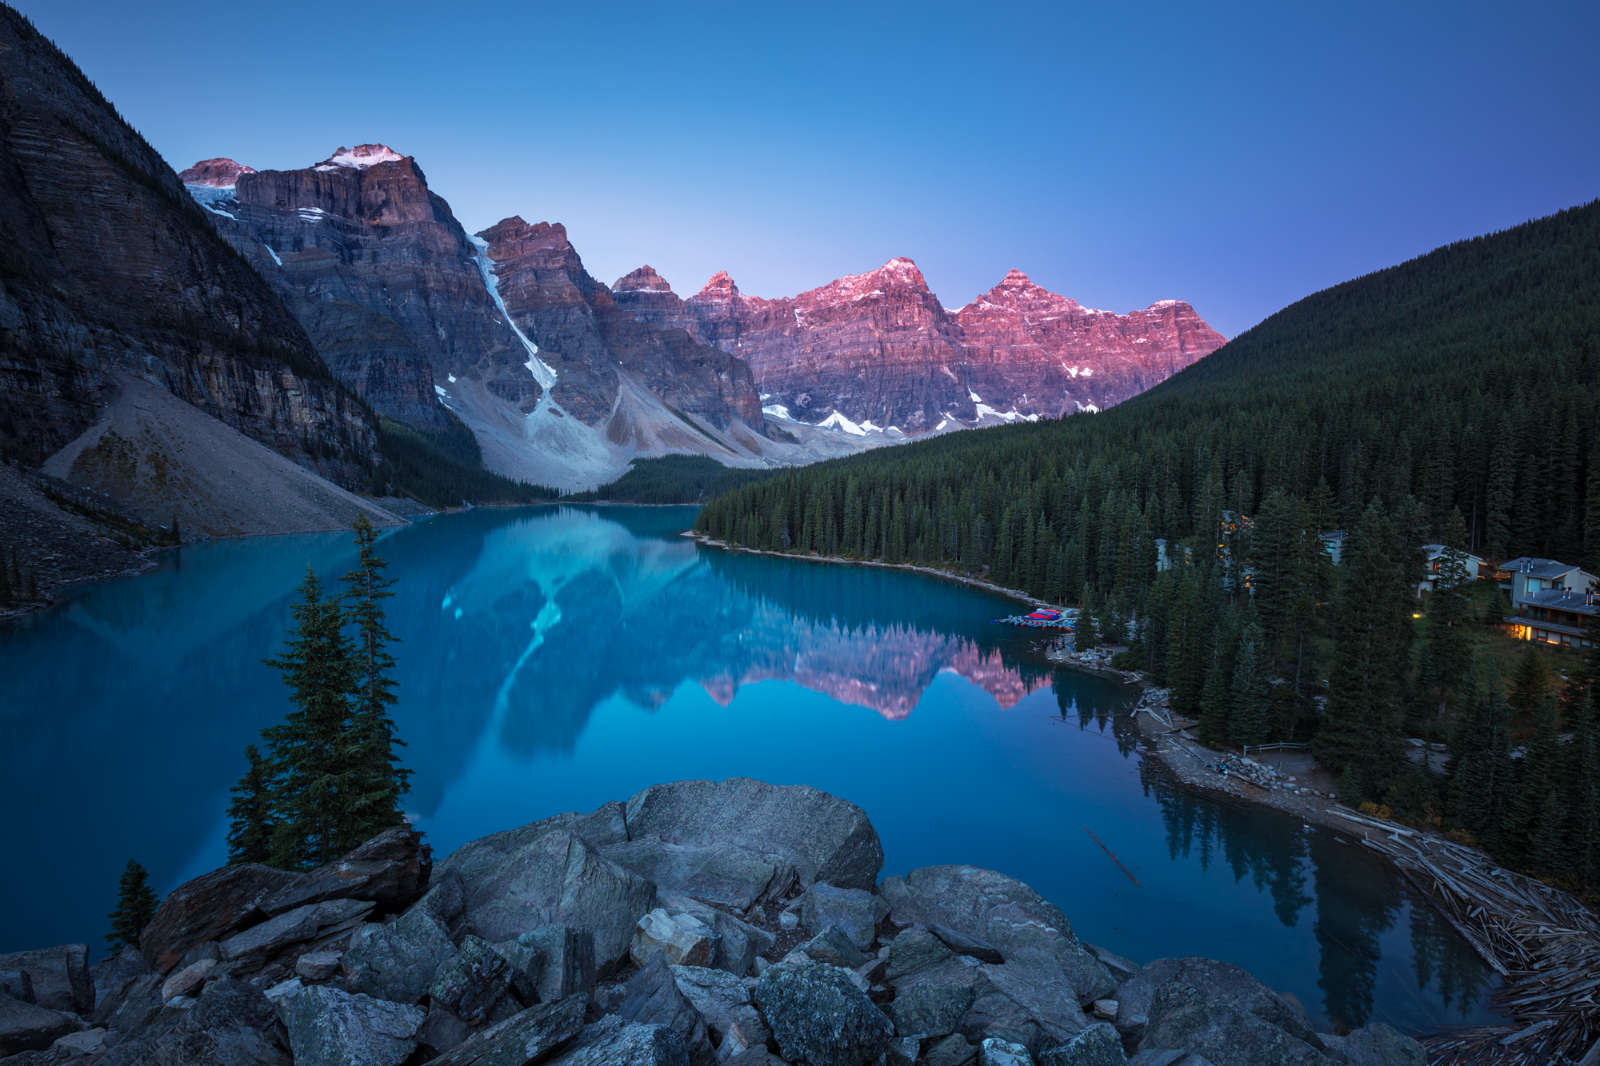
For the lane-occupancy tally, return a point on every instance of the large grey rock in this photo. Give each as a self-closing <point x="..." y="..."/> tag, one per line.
<point x="676" y="939"/>
<point x="390" y="870"/>
<point x="819" y="1016"/>
<point x="16" y="984"/>
<point x="1098" y="1045"/>
<point x="210" y="907"/>
<point x="231" y="1024"/>
<point x="568" y="965"/>
<point x="738" y="942"/>
<point x="723" y="1003"/>
<point x="1032" y="934"/>
<point x="112" y="977"/>
<point x="614" y="1042"/>
<point x="30" y="1027"/>
<point x="723" y="873"/>
<point x="1223" y="1013"/>
<point x="831" y="946"/>
<point x="824" y="837"/>
<point x="317" y="965"/>
<point x="330" y="1027"/>
<point x="995" y="1051"/>
<point x="953" y="1050"/>
<point x="651" y="996"/>
<point x="966" y="944"/>
<point x="472" y="981"/>
<point x="1230" y="993"/>
<point x="522" y="1038"/>
<point x="139" y="1003"/>
<point x="515" y="883"/>
<point x="929" y="1009"/>
<point x="914" y="949"/>
<point x="298" y="926"/>
<point x="526" y="960"/>
<point x="59" y="975"/>
<point x="397" y="961"/>
<point x="1377" y="1044"/>
<point x="187" y="981"/>
<point x="853" y="911"/>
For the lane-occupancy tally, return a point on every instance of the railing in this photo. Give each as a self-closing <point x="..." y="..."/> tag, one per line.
<point x="1282" y="745"/>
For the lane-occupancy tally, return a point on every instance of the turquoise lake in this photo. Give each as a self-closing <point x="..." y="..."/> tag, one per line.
<point x="555" y="658"/>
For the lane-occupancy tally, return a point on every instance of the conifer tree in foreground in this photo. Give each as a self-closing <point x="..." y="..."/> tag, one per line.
<point x="375" y="781"/>
<point x="136" y="905"/>
<point x="250" y="813"/>
<point x="307" y="747"/>
<point x="330" y="779"/>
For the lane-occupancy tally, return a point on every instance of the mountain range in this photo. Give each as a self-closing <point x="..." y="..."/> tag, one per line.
<point x="235" y="350"/>
<point x="425" y="321"/>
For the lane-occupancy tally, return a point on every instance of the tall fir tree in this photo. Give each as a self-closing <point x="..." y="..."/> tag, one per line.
<point x="374" y="780"/>
<point x="309" y="749"/>
<point x="250" y="816"/>
<point x="1251" y="696"/>
<point x="136" y="905"/>
<point x="1367" y="685"/>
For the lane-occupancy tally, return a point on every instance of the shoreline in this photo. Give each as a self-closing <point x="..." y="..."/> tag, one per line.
<point x="838" y="560"/>
<point x="1518" y="925"/>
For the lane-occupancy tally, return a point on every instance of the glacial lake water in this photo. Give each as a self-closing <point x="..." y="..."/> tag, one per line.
<point x="555" y="658"/>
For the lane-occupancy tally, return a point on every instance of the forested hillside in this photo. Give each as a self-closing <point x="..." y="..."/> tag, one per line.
<point x="1453" y="398"/>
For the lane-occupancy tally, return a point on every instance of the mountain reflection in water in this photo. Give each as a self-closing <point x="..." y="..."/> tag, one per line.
<point x="555" y="658"/>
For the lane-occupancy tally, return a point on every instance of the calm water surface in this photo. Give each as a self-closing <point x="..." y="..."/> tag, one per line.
<point x="556" y="658"/>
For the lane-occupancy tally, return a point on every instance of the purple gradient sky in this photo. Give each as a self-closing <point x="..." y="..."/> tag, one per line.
<point x="1238" y="156"/>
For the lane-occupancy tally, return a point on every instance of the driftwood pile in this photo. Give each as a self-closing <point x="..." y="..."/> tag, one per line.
<point x="1543" y="943"/>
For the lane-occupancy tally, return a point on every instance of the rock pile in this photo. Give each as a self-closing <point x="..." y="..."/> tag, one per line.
<point x="698" y="923"/>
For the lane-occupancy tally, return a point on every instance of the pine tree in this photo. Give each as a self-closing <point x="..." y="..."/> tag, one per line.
<point x="1448" y="651"/>
<point x="250" y="821"/>
<point x="136" y="905"/>
<point x="1085" y="635"/>
<point x="309" y="748"/>
<point x="1366" y="691"/>
<point x="375" y="781"/>
<point x="1251" y="696"/>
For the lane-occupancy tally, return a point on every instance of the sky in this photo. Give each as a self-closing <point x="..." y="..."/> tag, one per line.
<point x="1238" y="156"/>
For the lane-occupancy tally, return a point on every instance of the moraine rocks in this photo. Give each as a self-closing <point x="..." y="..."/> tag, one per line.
<point x="698" y="923"/>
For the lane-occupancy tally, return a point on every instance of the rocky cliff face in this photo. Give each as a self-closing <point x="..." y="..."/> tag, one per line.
<point x="591" y="341"/>
<point x="877" y="350"/>
<point x="1034" y="351"/>
<point x="105" y="265"/>
<point x="378" y="271"/>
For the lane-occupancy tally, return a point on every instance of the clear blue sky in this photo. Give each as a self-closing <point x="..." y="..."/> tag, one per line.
<point x="1238" y="156"/>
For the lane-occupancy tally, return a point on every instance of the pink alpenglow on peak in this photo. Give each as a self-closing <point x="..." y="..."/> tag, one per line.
<point x="361" y="156"/>
<point x="220" y="173"/>
<point x="721" y="284"/>
<point x="645" y="279"/>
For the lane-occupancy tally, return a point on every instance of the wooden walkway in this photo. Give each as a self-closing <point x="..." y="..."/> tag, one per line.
<point x="1543" y="942"/>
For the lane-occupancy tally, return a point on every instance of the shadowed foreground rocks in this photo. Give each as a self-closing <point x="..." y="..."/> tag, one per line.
<point x="698" y="923"/>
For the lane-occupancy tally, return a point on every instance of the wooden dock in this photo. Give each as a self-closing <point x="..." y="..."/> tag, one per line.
<point x="1543" y="943"/>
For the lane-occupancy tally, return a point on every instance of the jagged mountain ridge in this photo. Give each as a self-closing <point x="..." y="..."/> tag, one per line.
<point x="106" y="267"/>
<point x="504" y="330"/>
<point x="878" y="350"/>
<point x="424" y="321"/>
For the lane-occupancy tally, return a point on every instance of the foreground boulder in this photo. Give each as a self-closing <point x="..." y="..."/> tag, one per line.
<point x="824" y="837"/>
<point x="515" y="883"/>
<point x="387" y="872"/>
<point x="330" y="1027"/>
<point x="58" y="977"/>
<point x="981" y="914"/>
<point x="819" y="1016"/>
<point x="637" y="935"/>
<point x="30" y="1027"/>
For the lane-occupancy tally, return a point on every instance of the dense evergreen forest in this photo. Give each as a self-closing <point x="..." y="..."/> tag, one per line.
<point x="1454" y="399"/>
<point x="673" y="479"/>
